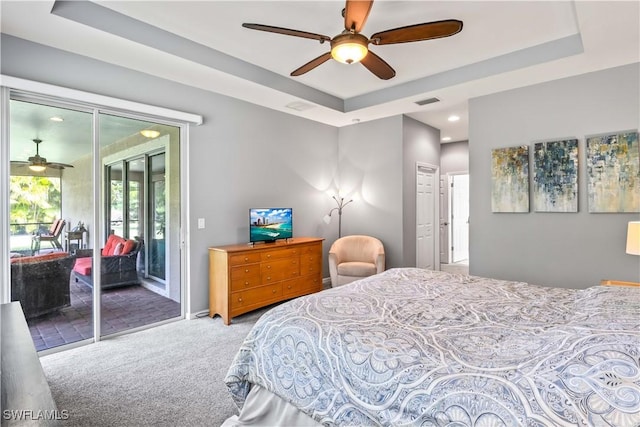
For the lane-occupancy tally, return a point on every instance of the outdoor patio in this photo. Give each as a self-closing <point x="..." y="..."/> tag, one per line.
<point x="122" y="308"/>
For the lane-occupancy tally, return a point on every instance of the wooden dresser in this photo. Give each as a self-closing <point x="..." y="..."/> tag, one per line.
<point x="243" y="278"/>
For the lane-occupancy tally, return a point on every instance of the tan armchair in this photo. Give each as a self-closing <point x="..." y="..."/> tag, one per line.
<point x="354" y="257"/>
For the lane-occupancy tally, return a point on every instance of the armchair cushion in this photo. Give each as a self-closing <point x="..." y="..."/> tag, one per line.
<point x="357" y="269"/>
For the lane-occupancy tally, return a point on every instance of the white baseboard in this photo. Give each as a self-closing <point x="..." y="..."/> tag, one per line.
<point x="196" y="315"/>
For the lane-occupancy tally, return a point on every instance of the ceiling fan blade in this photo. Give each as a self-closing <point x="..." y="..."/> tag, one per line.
<point x="356" y="13"/>
<point x="287" y="32"/>
<point x="54" y="165"/>
<point x="18" y="163"/>
<point x="418" y="32"/>
<point x="378" y="66"/>
<point x="312" y="64"/>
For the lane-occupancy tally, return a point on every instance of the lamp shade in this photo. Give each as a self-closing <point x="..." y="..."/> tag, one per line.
<point x="633" y="238"/>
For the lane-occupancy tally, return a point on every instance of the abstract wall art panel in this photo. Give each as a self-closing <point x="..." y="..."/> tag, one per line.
<point x="555" y="176"/>
<point x="510" y="179"/>
<point x="613" y="172"/>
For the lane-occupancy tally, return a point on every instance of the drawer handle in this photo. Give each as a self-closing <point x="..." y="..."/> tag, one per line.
<point x="268" y="277"/>
<point x="246" y="258"/>
<point x="274" y="291"/>
<point x="246" y="283"/>
<point x="239" y="299"/>
<point x="246" y="270"/>
<point x="289" y="287"/>
<point x="268" y="255"/>
<point x="268" y="266"/>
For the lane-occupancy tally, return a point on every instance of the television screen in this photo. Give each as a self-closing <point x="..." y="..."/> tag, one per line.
<point x="270" y="224"/>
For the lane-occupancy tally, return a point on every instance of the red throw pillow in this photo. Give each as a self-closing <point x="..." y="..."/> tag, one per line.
<point x="110" y="246"/>
<point x="129" y="245"/>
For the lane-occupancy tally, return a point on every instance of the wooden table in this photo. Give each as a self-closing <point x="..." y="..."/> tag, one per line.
<point x="73" y="235"/>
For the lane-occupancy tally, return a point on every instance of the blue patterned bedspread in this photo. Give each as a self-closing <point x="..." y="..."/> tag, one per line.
<point x="426" y="348"/>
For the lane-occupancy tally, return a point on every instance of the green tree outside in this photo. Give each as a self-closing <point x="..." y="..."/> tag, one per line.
<point x="33" y="200"/>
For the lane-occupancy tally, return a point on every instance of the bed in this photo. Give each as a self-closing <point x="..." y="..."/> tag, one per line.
<point x="414" y="347"/>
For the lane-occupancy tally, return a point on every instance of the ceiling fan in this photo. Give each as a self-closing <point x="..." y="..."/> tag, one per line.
<point x="38" y="163"/>
<point x="350" y="46"/>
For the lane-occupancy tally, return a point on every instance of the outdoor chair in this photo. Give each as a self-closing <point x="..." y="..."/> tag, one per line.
<point x="52" y="236"/>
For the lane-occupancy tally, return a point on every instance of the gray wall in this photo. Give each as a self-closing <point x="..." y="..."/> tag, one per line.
<point x="561" y="249"/>
<point x="420" y="143"/>
<point x="377" y="165"/>
<point x="454" y="157"/>
<point x="370" y="170"/>
<point x="242" y="156"/>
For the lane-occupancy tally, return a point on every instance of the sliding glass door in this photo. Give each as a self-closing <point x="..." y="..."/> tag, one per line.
<point x="157" y="217"/>
<point x="94" y="220"/>
<point x="50" y="219"/>
<point x="136" y="289"/>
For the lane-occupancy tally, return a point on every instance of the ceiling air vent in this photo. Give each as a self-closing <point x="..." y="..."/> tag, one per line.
<point x="299" y="106"/>
<point x="427" y="101"/>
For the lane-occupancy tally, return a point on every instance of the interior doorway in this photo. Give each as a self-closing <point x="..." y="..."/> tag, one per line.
<point x="427" y="240"/>
<point x="454" y="218"/>
<point x="459" y="218"/>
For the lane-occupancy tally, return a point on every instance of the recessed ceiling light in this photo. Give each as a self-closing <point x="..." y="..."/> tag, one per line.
<point x="446" y="138"/>
<point x="56" y="119"/>
<point x="148" y="133"/>
<point x="453" y="118"/>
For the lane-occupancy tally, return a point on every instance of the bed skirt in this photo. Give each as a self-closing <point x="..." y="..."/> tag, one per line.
<point x="263" y="408"/>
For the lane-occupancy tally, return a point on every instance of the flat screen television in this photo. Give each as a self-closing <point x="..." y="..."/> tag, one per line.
<point x="270" y="224"/>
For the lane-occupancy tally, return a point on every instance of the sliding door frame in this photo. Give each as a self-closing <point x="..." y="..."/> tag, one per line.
<point x="99" y="104"/>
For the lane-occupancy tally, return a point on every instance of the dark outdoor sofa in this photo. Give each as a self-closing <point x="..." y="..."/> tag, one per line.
<point x="41" y="282"/>
<point x="118" y="263"/>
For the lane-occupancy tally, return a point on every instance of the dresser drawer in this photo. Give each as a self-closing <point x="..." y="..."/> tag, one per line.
<point x="311" y="260"/>
<point x="310" y="284"/>
<point x="290" y="287"/>
<point x="280" y="253"/>
<point x="246" y="258"/>
<point x="311" y="249"/>
<point x="244" y="272"/>
<point x="274" y="271"/>
<point x="256" y="296"/>
<point x="301" y="286"/>
<point x="242" y="283"/>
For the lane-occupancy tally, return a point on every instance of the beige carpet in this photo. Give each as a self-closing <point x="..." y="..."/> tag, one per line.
<point x="171" y="375"/>
<point x="457" y="268"/>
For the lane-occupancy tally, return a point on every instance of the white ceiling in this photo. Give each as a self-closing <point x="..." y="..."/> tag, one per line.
<point x="503" y="45"/>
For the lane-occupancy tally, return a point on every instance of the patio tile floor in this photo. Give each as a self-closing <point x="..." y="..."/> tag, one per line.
<point x="122" y="308"/>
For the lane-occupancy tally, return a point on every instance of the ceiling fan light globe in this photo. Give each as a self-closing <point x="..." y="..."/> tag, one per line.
<point x="349" y="48"/>
<point x="37" y="168"/>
